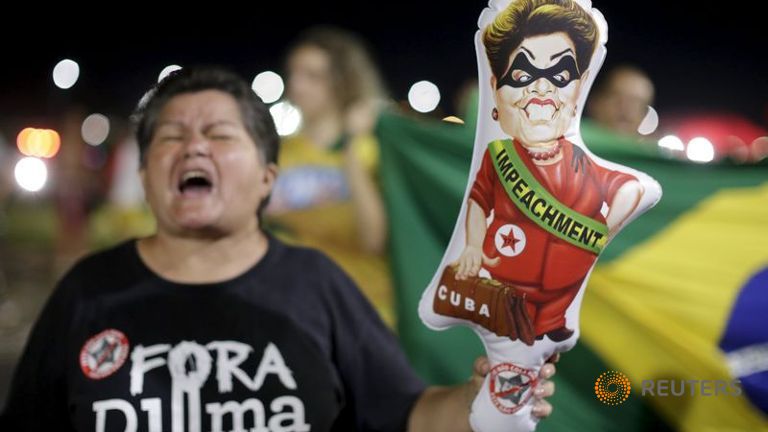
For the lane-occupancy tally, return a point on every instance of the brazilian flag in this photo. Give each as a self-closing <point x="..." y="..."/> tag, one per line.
<point x="680" y="294"/>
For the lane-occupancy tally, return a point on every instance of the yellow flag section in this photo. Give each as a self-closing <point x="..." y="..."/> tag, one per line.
<point x="658" y="311"/>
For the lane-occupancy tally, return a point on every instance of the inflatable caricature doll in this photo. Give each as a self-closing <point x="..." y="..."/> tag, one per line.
<point x="539" y="207"/>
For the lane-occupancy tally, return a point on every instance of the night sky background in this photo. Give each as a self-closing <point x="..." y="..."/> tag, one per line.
<point x="702" y="56"/>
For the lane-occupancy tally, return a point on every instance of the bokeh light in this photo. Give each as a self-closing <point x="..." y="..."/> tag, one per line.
<point x="700" y="150"/>
<point x="95" y="129"/>
<point x="66" y="73"/>
<point x="424" y="96"/>
<point x="31" y="174"/>
<point x="268" y="86"/>
<point x="287" y="118"/>
<point x="44" y="143"/>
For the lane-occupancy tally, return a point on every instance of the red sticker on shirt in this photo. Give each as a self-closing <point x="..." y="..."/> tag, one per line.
<point x="103" y="354"/>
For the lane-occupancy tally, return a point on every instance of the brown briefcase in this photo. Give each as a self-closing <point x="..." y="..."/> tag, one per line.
<point x="496" y="306"/>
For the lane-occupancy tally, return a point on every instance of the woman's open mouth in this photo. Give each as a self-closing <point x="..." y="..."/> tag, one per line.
<point x="195" y="183"/>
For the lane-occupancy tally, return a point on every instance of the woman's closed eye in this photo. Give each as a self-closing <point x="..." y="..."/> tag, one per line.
<point x="222" y="132"/>
<point x="221" y="137"/>
<point x="170" y="138"/>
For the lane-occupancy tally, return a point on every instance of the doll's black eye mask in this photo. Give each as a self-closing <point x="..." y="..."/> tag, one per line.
<point x="555" y="74"/>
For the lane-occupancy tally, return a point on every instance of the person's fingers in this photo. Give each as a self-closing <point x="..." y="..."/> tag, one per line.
<point x="542" y="409"/>
<point x="481" y="366"/>
<point x="547" y="371"/>
<point x="475" y="266"/>
<point x="554" y="358"/>
<point x="460" y="269"/>
<point x="544" y="389"/>
<point x="475" y="384"/>
<point x="479" y="370"/>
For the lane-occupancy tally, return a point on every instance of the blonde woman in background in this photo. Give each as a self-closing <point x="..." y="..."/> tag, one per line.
<point x="327" y="195"/>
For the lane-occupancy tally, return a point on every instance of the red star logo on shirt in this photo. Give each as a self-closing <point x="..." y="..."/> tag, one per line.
<point x="510" y="240"/>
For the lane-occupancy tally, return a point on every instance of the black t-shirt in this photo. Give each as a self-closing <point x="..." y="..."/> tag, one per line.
<point x="290" y="345"/>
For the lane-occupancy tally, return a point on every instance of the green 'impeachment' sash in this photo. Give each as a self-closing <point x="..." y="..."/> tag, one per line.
<point x="535" y="201"/>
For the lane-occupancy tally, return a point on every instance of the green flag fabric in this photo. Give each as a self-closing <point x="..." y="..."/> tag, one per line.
<point x="632" y="322"/>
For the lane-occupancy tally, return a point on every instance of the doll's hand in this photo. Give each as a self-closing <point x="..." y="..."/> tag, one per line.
<point x="470" y="261"/>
